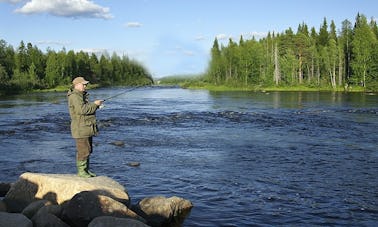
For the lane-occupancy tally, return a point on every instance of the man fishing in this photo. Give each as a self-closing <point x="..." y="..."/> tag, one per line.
<point x="83" y="124"/>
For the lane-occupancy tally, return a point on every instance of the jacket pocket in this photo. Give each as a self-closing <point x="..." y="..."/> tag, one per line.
<point x="85" y="130"/>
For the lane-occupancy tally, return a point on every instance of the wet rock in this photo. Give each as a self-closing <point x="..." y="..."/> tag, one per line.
<point x="107" y="221"/>
<point x="118" y="143"/>
<point x="59" y="188"/>
<point x="10" y="219"/>
<point x="87" y="205"/>
<point x="33" y="207"/>
<point x="162" y="211"/>
<point x="133" y="164"/>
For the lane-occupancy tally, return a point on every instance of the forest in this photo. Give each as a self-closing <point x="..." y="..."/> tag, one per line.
<point x="343" y="59"/>
<point x="27" y="68"/>
<point x="327" y="58"/>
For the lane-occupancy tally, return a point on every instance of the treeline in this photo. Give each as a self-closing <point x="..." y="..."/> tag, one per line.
<point x="27" y="68"/>
<point x="324" y="58"/>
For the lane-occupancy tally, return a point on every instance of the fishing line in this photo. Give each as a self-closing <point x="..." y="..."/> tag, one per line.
<point x="119" y="94"/>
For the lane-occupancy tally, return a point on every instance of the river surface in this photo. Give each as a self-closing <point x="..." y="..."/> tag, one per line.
<point x="241" y="158"/>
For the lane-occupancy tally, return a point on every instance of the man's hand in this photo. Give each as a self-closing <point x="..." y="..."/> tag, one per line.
<point x="98" y="102"/>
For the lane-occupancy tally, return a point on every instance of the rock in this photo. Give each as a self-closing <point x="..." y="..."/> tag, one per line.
<point x="19" y="220"/>
<point x="4" y="188"/>
<point x="33" y="207"/>
<point x="87" y="205"/>
<point x="43" y="219"/>
<point x="133" y="164"/>
<point x="59" y="188"/>
<point x="67" y="200"/>
<point x="49" y="216"/>
<point x="52" y="209"/>
<point x="118" y="143"/>
<point x="161" y="211"/>
<point x="107" y="221"/>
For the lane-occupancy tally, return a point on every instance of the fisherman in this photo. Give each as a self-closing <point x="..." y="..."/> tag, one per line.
<point x="83" y="123"/>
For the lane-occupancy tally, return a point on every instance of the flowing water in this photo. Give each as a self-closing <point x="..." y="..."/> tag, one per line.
<point x="241" y="158"/>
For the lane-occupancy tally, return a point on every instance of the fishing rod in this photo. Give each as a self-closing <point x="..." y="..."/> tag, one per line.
<point x="119" y="94"/>
<point x="124" y="92"/>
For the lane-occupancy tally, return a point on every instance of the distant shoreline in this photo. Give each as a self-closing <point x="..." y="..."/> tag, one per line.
<point x="270" y="89"/>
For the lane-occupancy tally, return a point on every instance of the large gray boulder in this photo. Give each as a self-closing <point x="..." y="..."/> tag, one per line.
<point x="86" y="206"/>
<point x="19" y="220"/>
<point x="59" y="188"/>
<point x="162" y="211"/>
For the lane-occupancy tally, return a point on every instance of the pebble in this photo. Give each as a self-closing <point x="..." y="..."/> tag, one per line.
<point x="133" y="164"/>
<point x="118" y="143"/>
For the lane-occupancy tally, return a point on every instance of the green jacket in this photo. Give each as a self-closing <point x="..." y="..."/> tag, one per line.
<point x="83" y="114"/>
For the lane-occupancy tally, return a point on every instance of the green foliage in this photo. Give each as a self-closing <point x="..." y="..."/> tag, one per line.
<point x="313" y="59"/>
<point x="182" y="80"/>
<point x="28" y="68"/>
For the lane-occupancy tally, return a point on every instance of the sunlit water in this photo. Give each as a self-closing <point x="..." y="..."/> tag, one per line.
<point x="242" y="158"/>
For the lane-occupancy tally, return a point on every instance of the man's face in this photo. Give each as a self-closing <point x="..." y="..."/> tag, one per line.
<point x="80" y="87"/>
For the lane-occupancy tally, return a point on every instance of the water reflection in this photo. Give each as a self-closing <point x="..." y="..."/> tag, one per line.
<point x="294" y="100"/>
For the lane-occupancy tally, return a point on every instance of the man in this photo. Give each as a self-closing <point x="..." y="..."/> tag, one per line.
<point x="83" y="123"/>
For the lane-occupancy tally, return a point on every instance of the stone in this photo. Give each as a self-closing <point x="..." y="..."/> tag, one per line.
<point x="59" y="188"/>
<point x="11" y="219"/>
<point x="44" y="219"/>
<point x="118" y="143"/>
<point x="133" y="164"/>
<point x="162" y="211"/>
<point x="87" y="205"/>
<point x="52" y="209"/>
<point x="107" y="221"/>
<point x="33" y="207"/>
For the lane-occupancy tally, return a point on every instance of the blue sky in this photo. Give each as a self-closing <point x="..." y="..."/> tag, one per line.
<point x="168" y="37"/>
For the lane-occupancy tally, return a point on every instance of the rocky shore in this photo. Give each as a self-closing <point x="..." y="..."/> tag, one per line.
<point x="62" y="200"/>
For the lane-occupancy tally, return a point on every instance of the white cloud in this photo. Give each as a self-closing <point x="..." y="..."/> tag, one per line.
<point x="188" y="53"/>
<point x="257" y="35"/>
<point x="133" y="24"/>
<point x="49" y="42"/>
<point x="200" y="37"/>
<point x="11" y="1"/>
<point x="97" y="51"/>
<point x="178" y="50"/>
<point x="221" y="36"/>
<point x="66" y="8"/>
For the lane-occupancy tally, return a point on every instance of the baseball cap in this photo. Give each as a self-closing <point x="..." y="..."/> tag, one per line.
<point x="78" y="80"/>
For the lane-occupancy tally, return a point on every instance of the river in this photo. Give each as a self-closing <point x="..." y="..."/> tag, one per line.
<point x="241" y="158"/>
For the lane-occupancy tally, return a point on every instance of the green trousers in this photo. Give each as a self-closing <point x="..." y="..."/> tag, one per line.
<point x="83" y="148"/>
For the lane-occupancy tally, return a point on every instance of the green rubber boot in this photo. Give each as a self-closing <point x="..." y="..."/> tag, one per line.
<point x="81" y="169"/>
<point x="88" y="171"/>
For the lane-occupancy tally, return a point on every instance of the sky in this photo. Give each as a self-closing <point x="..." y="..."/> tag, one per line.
<point x="168" y="37"/>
